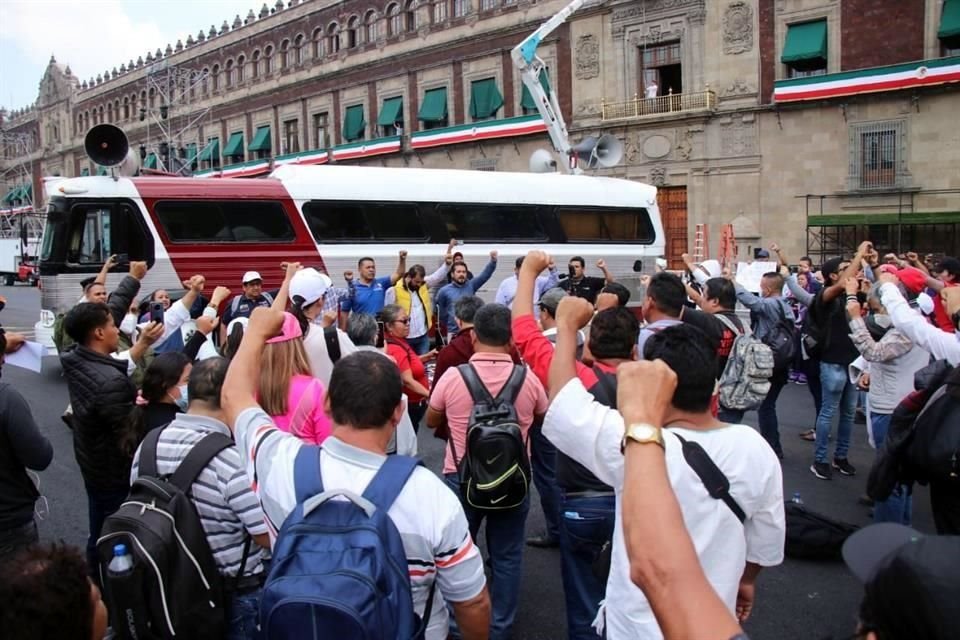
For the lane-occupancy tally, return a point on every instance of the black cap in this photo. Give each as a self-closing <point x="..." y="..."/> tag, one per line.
<point x="86" y="282"/>
<point x="911" y="581"/>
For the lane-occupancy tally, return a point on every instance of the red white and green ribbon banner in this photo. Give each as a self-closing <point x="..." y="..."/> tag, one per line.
<point x="485" y="130"/>
<point x="16" y="210"/>
<point x="893" y="78"/>
<point x="319" y="156"/>
<point x="366" y="148"/>
<point x="247" y="169"/>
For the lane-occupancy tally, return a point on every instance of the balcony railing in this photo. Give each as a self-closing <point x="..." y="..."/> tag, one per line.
<point x="659" y="106"/>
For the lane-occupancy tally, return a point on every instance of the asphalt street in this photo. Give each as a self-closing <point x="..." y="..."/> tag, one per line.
<point x="798" y="599"/>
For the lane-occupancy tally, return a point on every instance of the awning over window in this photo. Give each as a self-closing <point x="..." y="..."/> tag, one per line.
<point x="211" y="151"/>
<point x="806" y="42"/>
<point x="485" y="99"/>
<point x="434" y="107"/>
<point x="11" y="195"/>
<point x="353" y="123"/>
<point x="102" y="171"/>
<point x="26" y="192"/>
<point x="950" y="21"/>
<point x="391" y="112"/>
<point x="234" y="145"/>
<point x="261" y="139"/>
<point x="151" y="161"/>
<point x="191" y="152"/>
<point x="85" y="171"/>
<point x="526" y="98"/>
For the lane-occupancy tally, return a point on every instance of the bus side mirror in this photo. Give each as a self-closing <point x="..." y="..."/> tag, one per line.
<point x="638" y="266"/>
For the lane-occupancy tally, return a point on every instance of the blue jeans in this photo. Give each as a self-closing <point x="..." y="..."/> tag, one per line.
<point x="243" y="615"/>
<point x="585" y="526"/>
<point x="543" y="458"/>
<point x="898" y="507"/>
<point x="420" y="345"/>
<point x="839" y="396"/>
<point x="100" y="504"/>
<point x="505" y="533"/>
<point x="812" y="369"/>
<point x="766" y="412"/>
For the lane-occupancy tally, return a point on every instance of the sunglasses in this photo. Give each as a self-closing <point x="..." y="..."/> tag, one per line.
<point x="404" y="321"/>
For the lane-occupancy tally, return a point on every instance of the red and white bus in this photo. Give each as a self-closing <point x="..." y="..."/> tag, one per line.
<point x="329" y="217"/>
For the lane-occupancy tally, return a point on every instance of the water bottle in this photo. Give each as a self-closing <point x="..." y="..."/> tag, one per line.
<point x="126" y="603"/>
<point x="796" y="498"/>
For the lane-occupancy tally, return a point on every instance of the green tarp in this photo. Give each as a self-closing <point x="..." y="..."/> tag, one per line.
<point x="353" y="123"/>
<point x="234" y="145"/>
<point x="526" y="99"/>
<point x="211" y="151"/>
<point x="102" y="171"/>
<point x="84" y="172"/>
<point x="485" y="99"/>
<point x="261" y="139"/>
<point x="151" y="161"/>
<point x="391" y="112"/>
<point x="806" y="42"/>
<point x="434" y="107"/>
<point x="950" y="20"/>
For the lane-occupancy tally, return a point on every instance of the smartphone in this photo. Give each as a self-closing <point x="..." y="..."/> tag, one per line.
<point x="156" y="312"/>
<point x="381" y="340"/>
<point x="123" y="258"/>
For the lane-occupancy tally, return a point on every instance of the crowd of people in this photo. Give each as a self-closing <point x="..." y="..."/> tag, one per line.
<point x="285" y="415"/>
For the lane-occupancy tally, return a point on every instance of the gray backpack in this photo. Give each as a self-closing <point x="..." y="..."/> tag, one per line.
<point x="745" y="381"/>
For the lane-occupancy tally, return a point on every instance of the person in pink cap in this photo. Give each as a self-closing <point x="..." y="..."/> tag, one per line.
<point x="288" y="391"/>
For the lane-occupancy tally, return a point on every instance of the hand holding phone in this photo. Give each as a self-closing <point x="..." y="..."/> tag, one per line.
<point x="156" y="312"/>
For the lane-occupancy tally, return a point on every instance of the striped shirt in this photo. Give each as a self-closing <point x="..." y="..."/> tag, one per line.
<point x="427" y="514"/>
<point x="228" y="509"/>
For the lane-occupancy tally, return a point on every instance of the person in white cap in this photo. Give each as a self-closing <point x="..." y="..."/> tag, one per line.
<point x="242" y="306"/>
<point x="323" y="341"/>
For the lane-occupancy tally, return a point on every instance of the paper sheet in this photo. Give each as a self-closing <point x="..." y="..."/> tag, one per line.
<point x="29" y="356"/>
<point x="749" y="274"/>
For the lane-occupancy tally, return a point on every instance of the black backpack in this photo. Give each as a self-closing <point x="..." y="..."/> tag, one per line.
<point x="175" y="588"/>
<point x="812" y="536"/>
<point x="495" y="469"/>
<point x="332" y="339"/>
<point x="781" y="341"/>
<point x="815" y="330"/>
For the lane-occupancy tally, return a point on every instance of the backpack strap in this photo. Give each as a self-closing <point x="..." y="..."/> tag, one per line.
<point x="389" y="480"/>
<point x="333" y="343"/>
<point x="307" y="481"/>
<point x="234" y="307"/>
<point x="198" y="458"/>
<point x="478" y="390"/>
<point x="268" y="297"/>
<point x="728" y="323"/>
<point x="511" y="389"/>
<point x="605" y="391"/>
<point x="717" y="484"/>
<point x="148" y="453"/>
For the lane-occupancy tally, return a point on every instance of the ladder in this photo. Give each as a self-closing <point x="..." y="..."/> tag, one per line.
<point x="728" y="246"/>
<point x="700" y="244"/>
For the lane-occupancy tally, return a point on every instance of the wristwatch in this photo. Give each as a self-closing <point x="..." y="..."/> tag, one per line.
<point x="643" y="433"/>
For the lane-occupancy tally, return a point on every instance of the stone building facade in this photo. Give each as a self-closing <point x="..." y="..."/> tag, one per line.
<point x="814" y="123"/>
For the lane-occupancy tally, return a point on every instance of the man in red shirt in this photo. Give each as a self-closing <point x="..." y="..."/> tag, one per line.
<point x="948" y="275"/>
<point x="612" y="341"/>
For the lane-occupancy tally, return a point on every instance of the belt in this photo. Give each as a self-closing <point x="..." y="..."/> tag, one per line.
<point x="589" y="494"/>
<point x="245" y="584"/>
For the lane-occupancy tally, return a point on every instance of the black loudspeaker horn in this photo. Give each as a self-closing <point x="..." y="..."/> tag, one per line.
<point x="106" y="145"/>
<point x="592" y="152"/>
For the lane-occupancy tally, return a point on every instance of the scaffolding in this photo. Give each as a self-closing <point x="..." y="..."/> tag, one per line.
<point x="19" y="219"/>
<point x="172" y="117"/>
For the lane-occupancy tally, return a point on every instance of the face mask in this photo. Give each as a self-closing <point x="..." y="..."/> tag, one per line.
<point x="129" y="324"/>
<point x="182" y="401"/>
<point x="883" y="320"/>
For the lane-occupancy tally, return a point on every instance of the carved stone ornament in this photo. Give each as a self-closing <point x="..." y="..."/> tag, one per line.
<point x="684" y="145"/>
<point x="739" y="87"/>
<point x="738" y="137"/>
<point x="658" y="176"/>
<point x="652" y="6"/>
<point x="657" y="146"/>
<point x="588" y="57"/>
<point x="737" y="28"/>
<point x="587" y="108"/>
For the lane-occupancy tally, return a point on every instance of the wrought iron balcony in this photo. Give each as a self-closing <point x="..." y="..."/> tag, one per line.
<point x="672" y="103"/>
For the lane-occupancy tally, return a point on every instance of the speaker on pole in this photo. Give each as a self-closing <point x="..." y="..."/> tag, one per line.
<point x="605" y="151"/>
<point x="106" y="145"/>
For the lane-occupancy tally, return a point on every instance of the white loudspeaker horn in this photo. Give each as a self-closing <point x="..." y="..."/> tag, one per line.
<point x="605" y="151"/>
<point x="130" y="165"/>
<point x="542" y="161"/>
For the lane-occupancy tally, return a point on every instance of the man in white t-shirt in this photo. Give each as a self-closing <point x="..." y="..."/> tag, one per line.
<point x="731" y="553"/>
<point x="363" y="400"/>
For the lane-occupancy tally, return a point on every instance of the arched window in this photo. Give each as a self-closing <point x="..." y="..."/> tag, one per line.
<point x="116" y="109"/>
<point x="255" y="65"/>
<point x="460" y="8"/>
<point x="284" y="54"/>
<point x="215" y="77"/>
<point x="298" y="49"/>
<point x="370" y="22"/>
<point x="268" y="60"/>
<point x="393" y="20"/>
<point x="205" y="83"/>
<point x="241" y="64"/>
<point x="109" y="112"/>
<point x="318" y="43"/>
<point x="439" y="11"/>
<point x="409" y="16"/>
<point x="100" y="115"/>
<point x="352" y="35"/>
<point x="228" y="74"/>
<point x="126" y="108"/>
<point x="333" y="38"/>
<point x="153" y="96"/>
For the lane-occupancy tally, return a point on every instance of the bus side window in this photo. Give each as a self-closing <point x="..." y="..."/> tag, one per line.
<point x="493" y="222"/>
<point x="601" y="224"/>
<point x="364" y="221"/>
<point x="230" y="221"/>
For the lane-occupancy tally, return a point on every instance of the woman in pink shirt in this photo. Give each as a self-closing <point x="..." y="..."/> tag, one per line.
<point x="288" y="391"/>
